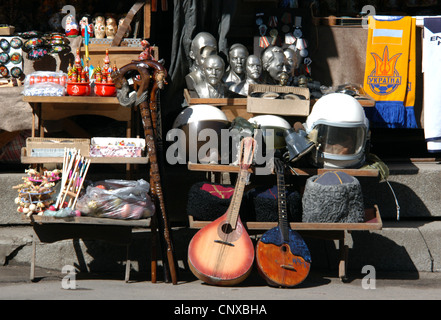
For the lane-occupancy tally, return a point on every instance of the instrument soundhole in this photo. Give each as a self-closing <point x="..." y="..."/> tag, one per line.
<point x="227" y="228"/>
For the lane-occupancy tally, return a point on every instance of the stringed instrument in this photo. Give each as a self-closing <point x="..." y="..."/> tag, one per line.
<point x="222" y="252"/>
<point x="282" y="257"/>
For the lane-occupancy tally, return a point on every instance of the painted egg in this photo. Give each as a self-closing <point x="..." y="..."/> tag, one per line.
<point x="16" y="43"/>
<point x="16" y="72"/>
<point x="4" y="44"/>
<point x="4" y="58"/>
<point x="16" y="58"/>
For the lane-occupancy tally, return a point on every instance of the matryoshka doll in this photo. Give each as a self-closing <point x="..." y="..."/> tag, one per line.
<point x="86" y="25"/>
<point x="71" y="27"/>
<point x="100" y="27"/>
<point x="111" y="28"/>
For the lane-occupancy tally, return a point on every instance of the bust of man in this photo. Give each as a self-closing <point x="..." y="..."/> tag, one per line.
<point x="212" y="86"/>
<point x="253" y="72"/>
<point x="274" y="65"/>
<point x="237" y="54"/>
<point x="203" y="45"/>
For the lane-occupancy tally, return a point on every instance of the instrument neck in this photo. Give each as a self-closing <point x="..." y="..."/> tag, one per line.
<point x="236" y="199"/>
<point x="283" y="211"/>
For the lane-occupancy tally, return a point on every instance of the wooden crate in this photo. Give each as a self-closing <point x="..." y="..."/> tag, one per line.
<point x="118" y="55"/>
<point x="232" y="107"/>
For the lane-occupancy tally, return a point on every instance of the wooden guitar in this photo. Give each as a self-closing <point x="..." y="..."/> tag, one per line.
<point x="282" y="257"/>
<point x="222" y="252"/>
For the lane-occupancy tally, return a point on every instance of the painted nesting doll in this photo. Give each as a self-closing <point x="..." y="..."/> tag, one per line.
<point x="71" y="28"/>
<point x="86" y="26"/>
<point x="100" y="27"/>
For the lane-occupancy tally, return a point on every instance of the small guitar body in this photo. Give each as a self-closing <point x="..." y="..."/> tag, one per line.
<point x="282" y="257"/>
<point x="222" y="252"/>
<point x="280" y="263"/>
<point x="220" y="255"/>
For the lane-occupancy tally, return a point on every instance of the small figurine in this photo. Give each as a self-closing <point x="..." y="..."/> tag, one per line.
<point x="106" y="65"/>
<point x="111" y="28"/>
<point x="71" y="28"/>
<point x="100" y="27"/>
<point x="85" y="25"/>
<point x="147" y="50"/>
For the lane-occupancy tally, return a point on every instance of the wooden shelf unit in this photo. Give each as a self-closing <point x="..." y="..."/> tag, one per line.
<point x="328" y="231"/>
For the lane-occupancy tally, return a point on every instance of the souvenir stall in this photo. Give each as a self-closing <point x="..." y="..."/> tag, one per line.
<point x="88" y="65"/>
<point x="278" y="105"/>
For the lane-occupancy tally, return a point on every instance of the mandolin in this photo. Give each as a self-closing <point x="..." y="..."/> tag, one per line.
<point x="282" y="257"/>
<point x="222" y="252"/>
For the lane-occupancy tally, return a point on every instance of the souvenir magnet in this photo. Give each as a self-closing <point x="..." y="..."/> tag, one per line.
<point x="16" y="43"/>
<point x="4" y="72"/>
<point x="4" y="44"/>
<point x="16" y="72"/>
<point x="16" y="58"/>
<point x="4" y="58"/>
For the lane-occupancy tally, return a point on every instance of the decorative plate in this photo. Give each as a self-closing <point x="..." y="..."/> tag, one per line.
<point x="37" y="53"/>
<point x="32" y="43"/>
<point x="30" y="34"/>
<point x="59" y="49"/>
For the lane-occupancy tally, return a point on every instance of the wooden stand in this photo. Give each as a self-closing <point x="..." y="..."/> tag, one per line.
<point x="327" y="231"/>
<point x="50" y="229"/>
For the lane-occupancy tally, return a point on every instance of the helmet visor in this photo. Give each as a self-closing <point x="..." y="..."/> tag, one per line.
<point x="341" y="140"/>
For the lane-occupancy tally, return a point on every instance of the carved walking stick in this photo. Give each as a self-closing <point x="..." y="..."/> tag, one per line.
<point x="141" y="73"/>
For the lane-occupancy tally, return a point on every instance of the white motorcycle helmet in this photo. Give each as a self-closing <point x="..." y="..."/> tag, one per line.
<point x="276" y="123"/>
<point x="342" y="131"/>
<point x="192" y="120"/>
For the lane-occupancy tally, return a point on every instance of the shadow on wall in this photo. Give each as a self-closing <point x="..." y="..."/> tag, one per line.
<point x="410" y="204"/>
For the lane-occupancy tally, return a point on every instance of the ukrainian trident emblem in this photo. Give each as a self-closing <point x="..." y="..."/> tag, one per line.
<point x="384" y="79"/>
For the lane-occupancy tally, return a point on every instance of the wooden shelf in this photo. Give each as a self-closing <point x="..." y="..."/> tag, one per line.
<point x="101" y="160"/>
<point x="92" y="99"/>
<point x="88" y="220"/>
<point x="298" y="171"/>
<point x="372" y="217"/>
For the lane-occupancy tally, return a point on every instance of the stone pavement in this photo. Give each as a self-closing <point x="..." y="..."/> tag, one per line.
<point x="14" y="285"/>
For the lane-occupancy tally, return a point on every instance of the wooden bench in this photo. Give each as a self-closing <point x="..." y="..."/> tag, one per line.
<point x="48" y="229"/>
<point x="328" y="231"/>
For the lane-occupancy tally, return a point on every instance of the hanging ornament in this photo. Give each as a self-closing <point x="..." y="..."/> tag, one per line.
<point x="289" y="38"/>
<point x="259" y="18"/>
<point x="273" y="22"/>
<point x="274" y="36"/>
<point x="263" y="40"/>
